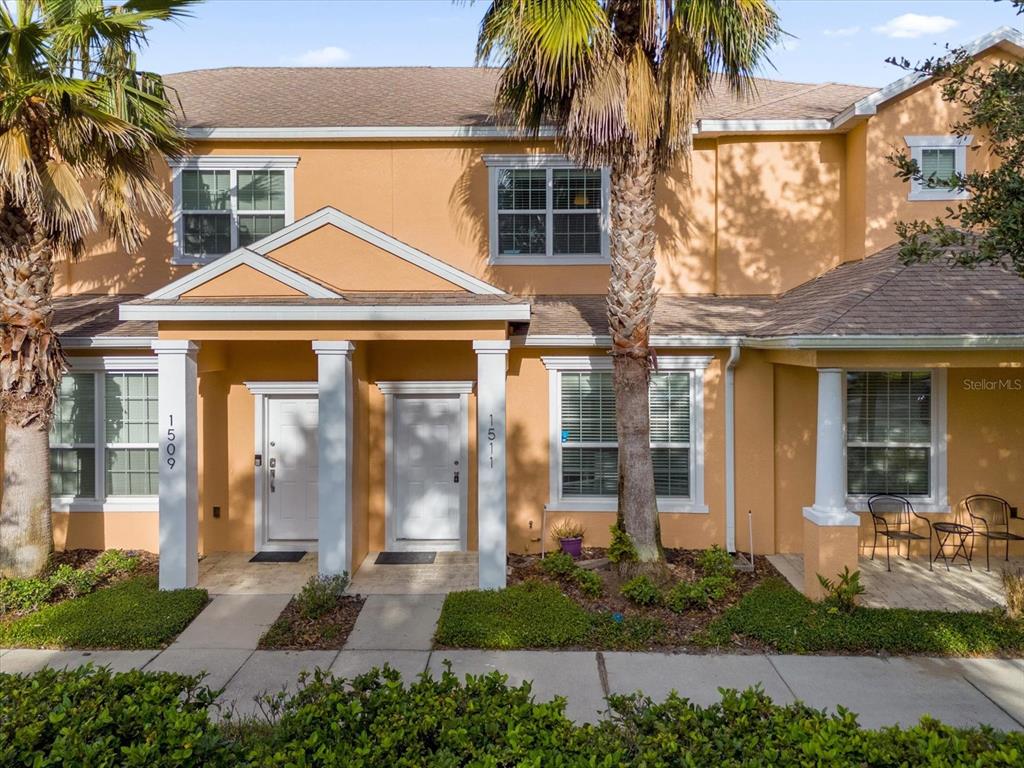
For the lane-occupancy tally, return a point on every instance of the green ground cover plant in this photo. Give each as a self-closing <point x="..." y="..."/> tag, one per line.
<point x="562" y="566"/>
<point x="128" y="615"/>
<point x="92" y="717"/>
<point x="778" y="616"/>
<point x="64" y="582"/>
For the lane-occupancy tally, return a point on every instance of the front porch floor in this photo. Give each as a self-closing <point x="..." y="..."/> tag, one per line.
<point x="912" y="585"/>
<point x="450" y="572"/>
<point x="231" y="573"/>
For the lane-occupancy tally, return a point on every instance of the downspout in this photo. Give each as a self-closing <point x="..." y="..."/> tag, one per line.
<point x="730" y="447"/>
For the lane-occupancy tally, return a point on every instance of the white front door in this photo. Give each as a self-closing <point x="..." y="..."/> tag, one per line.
<point x="427" y="475"/>
<point x="291" y="469"/>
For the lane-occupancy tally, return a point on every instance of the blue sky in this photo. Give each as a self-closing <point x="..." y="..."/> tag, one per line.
<point x="837" y="40"/>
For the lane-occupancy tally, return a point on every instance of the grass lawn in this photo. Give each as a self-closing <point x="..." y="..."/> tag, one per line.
<point x="535" y="615"/>
<point x="130" y="614"/>
<point x="778" y="616"/>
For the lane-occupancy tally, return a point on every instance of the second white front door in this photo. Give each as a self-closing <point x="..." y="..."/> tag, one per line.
<point x="427" y="472"/>
<point x="291" y="469"/>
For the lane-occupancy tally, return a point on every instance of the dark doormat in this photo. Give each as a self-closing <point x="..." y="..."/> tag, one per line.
<point x="405" y="558"/>
<point x="277" y="557"/>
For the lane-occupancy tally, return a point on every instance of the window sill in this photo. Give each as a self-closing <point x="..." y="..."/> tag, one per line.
<point x="122" y="504"/>
<point x="548" y="261"/>
<point x="194" y="261"/>
<point x="921" y="506"/>
<point x="665" y="506"/>
<point x="935" y="195"/>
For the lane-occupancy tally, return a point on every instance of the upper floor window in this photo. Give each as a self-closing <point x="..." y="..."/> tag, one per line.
<point x="940" y="159"/>
<point x="225" y="203"/>
<point x="895" y="435"/>
<point x="103" y="442"/>
<point x="584" y="450"/>
<point x="544" y="210"/>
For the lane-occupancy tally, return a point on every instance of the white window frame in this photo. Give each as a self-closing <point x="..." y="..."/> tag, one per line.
<point x="99" y="367"/>
<point x="937" y="500"/>
<point x="497" y="163"/>
<point x="917" y="144"/>
<point x="695" y="366"/>
<point x="233" y="164"/>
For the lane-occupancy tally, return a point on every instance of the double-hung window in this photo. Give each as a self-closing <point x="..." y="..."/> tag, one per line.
<point x="544" y="210"/>
<point x="103" y="442"/>
<point x="940" y="160"/>
<point x="225" y="203"/>
<point x="895" y="435"/>
<point x="584" y="446"/>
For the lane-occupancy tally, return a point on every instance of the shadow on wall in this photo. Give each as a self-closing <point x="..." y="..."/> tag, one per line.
<point x="527" y="470"/>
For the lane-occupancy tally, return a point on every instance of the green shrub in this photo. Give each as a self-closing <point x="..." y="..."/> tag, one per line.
<point x="715" y="562"/>
<point x="589" y="582"/>
<point x="72" y="582"/>
<point x="641" y="590"/>
<point x="130" y="614"/>
<point x="776" y="614"/>
<point x="558" y="564"/>
<point x="93" y="717"/>
<point x="320" y="594"/>
<point x="622" y="549"/>
<point x="567" y="529"/>
<point x="114" y="562"/>
<point x="527" y="615"/>
<point x="842" y="594"/>
<point x="23" y="594"/>
<point x="688" y="595"/>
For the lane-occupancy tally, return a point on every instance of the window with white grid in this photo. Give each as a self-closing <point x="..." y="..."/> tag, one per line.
<point x="941" y="160"/>
<point x="545" y="211"/>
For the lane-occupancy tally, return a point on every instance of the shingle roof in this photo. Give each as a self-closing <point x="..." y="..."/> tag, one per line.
<point x="876" y="296"/>
<point x="313" y="97"/>
<point x="93" y="315"/>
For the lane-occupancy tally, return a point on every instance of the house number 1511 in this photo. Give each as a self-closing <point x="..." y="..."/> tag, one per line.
<point x="491" y="435"/>
<point x="170" y="447"/>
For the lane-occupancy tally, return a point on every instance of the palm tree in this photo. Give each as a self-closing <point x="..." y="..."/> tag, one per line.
<point x="621" y="80"/>
<point x="80" y="127"/>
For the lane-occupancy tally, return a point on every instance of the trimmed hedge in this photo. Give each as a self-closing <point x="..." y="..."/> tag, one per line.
<point x="130" y="614"/>
<point x="776" y="614"/>
<point x="91" y="717"/>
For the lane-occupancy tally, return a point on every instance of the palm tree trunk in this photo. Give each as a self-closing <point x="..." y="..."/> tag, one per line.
<point x="26" y="537"/>
<point x="31" y="364"/>
<point x="631" y="300"/>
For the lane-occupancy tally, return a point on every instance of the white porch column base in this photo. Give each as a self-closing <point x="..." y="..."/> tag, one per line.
<point x="492" y="525"/>
<point x="841" y="516"/>
<point x="334" y="440"/>
<point x="179" y="476"/>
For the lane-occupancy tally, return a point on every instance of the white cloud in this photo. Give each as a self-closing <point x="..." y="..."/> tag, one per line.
<point x="842" y="32"/>
<point x="915" y="25"/>
<point x="327" y="56"/>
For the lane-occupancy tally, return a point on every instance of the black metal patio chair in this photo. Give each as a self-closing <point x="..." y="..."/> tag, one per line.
<point x="899" y="528"/>
<point x="990" y="519"/>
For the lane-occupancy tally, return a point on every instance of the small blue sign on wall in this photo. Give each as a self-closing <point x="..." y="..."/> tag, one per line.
<point x="565" y="435"/>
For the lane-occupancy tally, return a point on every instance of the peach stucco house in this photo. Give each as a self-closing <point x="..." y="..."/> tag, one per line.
<point x="374" y="321"/>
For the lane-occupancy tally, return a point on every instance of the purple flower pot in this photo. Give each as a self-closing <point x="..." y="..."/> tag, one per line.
<point x="572" y="547"/>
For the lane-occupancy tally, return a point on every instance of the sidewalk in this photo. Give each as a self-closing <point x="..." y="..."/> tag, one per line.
<point x="883" y="692"/>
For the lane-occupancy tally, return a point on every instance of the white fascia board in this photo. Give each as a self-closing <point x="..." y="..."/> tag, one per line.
<point x="374" y="236"/>
<point x="712" y="127"/>
<point x="882" y="342"/>
<point x="310" y="313"/>
<point x="570" y="340"/>
<point x="107" y="342"/>
<point x="365" y="132"/>
<point x="605" y="363"/>
<point x="249" y="258"/>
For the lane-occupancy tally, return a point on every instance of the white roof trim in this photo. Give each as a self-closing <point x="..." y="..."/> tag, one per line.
<point x="324" y="312"/>
<point x="874" y="342"/>
<point x="365" y="132"/>
<point x="353" y="226"/>
<point x="249" y="258"/>
<point x="604" y="341"/>
<point x="107" y="342"/>
<point x="711" y="127"/>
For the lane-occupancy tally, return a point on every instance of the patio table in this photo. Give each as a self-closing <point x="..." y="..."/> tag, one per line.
<point x="959" y="534"/>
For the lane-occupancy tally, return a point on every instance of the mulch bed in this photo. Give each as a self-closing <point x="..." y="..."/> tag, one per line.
<point x="294" y="632"/>
<point x="680" y="628"/>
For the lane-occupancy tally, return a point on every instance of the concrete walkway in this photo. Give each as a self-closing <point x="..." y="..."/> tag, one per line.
<point x="882" y="691"/>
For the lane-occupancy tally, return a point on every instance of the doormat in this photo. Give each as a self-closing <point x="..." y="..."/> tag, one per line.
<point x="405" y="558"/>
<point x="277" y="557"/>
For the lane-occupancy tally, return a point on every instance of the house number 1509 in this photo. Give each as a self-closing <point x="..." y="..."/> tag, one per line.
<point x="170" y="447"/>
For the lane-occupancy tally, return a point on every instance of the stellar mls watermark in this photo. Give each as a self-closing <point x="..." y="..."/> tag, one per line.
<point x="994" y="385"/>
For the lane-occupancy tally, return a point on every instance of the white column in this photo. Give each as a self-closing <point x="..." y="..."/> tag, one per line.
<point x="829" y="469"/>
<point x="179" y="476"/>
<point x="491" y="367"/>
<point x="334" y="440"/>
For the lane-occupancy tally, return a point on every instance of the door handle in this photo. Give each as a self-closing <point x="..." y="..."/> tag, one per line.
<point x="273" y="472"/>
